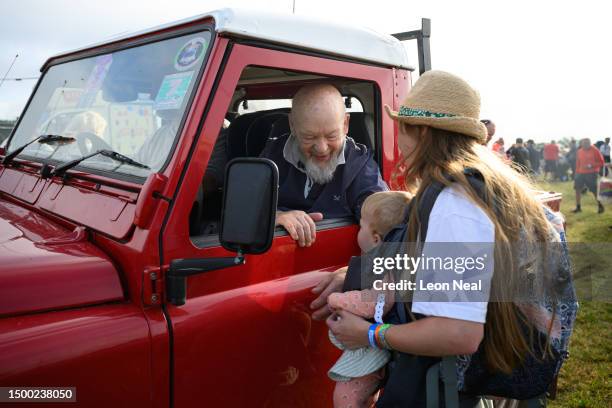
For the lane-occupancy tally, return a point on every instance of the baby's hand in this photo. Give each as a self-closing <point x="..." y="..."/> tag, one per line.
<point x="337" y="301"/>
<point x="357" y="302"/>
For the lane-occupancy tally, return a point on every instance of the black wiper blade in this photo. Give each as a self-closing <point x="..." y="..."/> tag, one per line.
<point x="60" y="170"/>
<point x="46" y="139"/>
<point x="123" y="159"/>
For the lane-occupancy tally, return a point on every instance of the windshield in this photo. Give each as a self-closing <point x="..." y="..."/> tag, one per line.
<point x="130" y="101"/>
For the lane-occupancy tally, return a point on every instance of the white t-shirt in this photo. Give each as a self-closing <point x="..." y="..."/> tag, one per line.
<point x="455" y="218"/>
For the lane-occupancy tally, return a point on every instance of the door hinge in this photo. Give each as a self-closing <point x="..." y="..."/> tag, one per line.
<point x="152" y="286"/>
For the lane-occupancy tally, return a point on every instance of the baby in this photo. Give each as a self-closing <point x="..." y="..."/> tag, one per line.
<point x="358" y="373"/>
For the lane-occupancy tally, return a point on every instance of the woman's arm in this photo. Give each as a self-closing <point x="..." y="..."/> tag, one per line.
<point x="430" y="336"/>
<point x="436" y="336"/>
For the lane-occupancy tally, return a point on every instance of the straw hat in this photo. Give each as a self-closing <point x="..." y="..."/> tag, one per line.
<point x="443" y="101"/>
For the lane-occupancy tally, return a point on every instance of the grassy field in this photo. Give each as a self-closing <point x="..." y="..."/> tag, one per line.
<point x="586" y="378"/>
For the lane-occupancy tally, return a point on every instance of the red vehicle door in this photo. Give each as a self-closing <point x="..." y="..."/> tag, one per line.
<point x="245" y="336"/>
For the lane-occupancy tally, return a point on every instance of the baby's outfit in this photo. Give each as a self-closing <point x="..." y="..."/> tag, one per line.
<point x="358" y="373"/>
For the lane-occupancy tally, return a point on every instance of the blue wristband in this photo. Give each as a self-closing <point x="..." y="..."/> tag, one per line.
<point x="371" y="332"/>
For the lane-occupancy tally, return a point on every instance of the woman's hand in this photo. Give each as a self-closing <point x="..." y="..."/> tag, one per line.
<point x="331" y="283"/>
<point x="349" y="329"/>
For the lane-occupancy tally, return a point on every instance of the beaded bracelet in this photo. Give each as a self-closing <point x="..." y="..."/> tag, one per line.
<point x="380" y="337"/>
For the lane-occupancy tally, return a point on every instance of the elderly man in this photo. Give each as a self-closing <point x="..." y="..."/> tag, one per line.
<point x="322" y="172"/>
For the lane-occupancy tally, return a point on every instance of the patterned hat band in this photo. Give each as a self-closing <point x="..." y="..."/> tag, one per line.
<point x="410" y="112"/>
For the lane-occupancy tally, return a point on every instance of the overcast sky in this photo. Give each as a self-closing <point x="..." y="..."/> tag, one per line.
<point x="542" y="67"/>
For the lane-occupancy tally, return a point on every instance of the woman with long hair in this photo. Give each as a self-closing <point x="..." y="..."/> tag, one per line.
<point x="440" y="139"/>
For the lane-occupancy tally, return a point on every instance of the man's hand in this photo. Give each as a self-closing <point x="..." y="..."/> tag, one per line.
<point x="331" y="283"/>
<point x="300" y="226"/>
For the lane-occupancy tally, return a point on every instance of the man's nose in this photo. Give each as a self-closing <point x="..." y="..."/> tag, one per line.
<point x="320" y="146"/>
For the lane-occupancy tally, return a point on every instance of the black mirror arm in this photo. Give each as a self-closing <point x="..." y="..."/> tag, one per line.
<point x="180" y="269"/>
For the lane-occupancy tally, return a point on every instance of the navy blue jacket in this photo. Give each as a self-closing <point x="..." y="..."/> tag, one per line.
<point x="343" y="196"/>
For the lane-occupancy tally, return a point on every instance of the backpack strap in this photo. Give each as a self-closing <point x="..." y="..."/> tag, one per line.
<point x="432" y="386"/>
<point x="449" y="377"/>
<point x="426" y="204"/>
<point x="447" y="368"/>
<point x="352" y="281"/>
<point x="431" y="193"/>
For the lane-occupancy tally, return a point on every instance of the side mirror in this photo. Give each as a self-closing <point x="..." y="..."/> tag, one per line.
<point x="247" y="222"/>
<point x="249" y="205"/>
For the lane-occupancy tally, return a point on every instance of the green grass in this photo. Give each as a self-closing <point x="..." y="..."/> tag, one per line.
<point x="587" y="226"/>
<point x="586" y="377"/>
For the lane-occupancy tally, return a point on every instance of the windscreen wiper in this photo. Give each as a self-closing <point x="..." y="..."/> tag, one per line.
<point x="60" y="170"/>
<point x="45" y="139"/>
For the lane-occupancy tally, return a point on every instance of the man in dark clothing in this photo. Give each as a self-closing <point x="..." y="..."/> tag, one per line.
<point x="322" y="172"/>
<point x="520" y="156"/>
<point x="534" y="157"/>
<point x="571" y="157"/>
<point x="604" y="148"/>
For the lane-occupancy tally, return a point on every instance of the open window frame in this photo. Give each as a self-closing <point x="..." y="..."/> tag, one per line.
<point x="260" y="84"/>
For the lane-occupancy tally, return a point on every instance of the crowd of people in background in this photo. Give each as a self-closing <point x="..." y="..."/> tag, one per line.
<point x="579" y="161"/>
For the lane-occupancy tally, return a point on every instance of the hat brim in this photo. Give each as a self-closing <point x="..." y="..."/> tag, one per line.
<point x="459" y="124"/>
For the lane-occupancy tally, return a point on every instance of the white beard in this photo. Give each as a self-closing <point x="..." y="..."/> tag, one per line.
<point x="320" y="174"/>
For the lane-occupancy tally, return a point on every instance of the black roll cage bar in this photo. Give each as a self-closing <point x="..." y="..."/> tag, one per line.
<point x="422" y="37"/>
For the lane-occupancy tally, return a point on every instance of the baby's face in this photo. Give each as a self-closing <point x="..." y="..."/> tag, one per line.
<point x="367" y="238"/>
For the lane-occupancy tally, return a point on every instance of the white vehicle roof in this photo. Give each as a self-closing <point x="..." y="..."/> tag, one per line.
<point x="298" y="31"/>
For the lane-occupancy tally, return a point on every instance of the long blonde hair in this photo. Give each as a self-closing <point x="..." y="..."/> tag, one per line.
<point x="512" y="208"/>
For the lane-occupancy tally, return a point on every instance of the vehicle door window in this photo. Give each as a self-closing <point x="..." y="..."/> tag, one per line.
<point x="258" y="113"/>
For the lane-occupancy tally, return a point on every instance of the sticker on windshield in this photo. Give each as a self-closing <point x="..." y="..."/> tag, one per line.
<point x="190" y="54"/>
<point x="172" y="91"/>
<point x="94" y="82"/>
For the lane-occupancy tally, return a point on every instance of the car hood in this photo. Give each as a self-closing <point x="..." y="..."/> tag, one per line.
<point x="45" y="266"/>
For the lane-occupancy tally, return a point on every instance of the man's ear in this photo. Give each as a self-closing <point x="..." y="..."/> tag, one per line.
<point x="291" y="127"/>
<point x="347" y="118"/>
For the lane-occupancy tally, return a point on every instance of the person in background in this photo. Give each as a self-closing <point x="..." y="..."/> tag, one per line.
<point x="571" y="157"/>
<point x="551" y="159"/>
<point x="534" y="157"/>
<point x="519" y="155"/>
<point x="498" y="147"/>
<point x="588" y="163"/>
<point x="490" y="125"/>
<point x="605" y="152"/>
